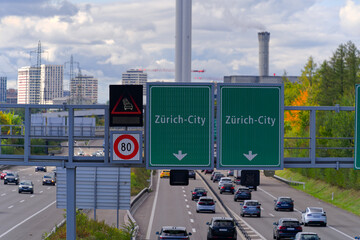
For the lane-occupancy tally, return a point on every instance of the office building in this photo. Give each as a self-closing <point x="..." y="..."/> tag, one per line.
<point x="135" y="77"/>
<point x="3" y="84"/>
<point x="11" y="96"/>
<point x="84" y="90"/>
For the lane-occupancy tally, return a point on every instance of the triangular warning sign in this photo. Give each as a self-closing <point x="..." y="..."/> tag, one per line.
<point x="126" y="105"/>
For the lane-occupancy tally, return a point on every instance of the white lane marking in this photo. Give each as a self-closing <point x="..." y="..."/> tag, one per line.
<point x="300" y="213"/>
<point x="186" y="200"/>
<point x="32" y="196"/>
<point x="14" y="190"/>
<point x="30" y="174"/>
<point x="183" y="187"/>
<point x="187" y="206"/>
<point x="26" y="219"/>
<point x="24" y="169"/>
<point x="3" y="194"/>
<point x="153" y="210"/>
<point x="41" y="191"/>
<point x="193" y="230"/>
<point x="340" y="232"/>
<point x="189" y="212"/>
<point x="49" y="188"/>
<point x="271" y="214"/>
<point x="183" y="191"/>
<point x="11" y="206"/>
<point x="22" y="201"/>
<point x="192" y="220"/>
<point x="184" y="195"/>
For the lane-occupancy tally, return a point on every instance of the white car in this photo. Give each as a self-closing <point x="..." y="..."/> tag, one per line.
<point x="314" y="215"/>
<point x="224" y="180"/>
<point x="205" y="204"/>
<point x="307" y="236"/>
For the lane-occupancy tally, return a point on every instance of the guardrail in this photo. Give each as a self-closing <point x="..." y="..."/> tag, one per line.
<point x="247" y="237"/>
<point x="132" y="204"/>
<point x="290" y="182"/>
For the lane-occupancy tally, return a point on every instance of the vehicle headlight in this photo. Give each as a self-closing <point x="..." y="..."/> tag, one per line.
<point x="5" y="177"/>
<point x="16" y="178"/>
<point x="30" y="186"/>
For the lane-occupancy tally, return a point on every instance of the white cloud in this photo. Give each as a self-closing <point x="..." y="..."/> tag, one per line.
<point x="350" y="17"/>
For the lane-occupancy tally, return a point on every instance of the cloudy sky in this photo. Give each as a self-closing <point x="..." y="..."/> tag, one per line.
<point x="107" y="37"/>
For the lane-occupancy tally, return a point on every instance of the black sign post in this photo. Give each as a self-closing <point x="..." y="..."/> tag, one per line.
<point x="126" y="105"/>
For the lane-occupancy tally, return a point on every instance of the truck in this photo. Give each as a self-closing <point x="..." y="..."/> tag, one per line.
<point x="248" y="178"/>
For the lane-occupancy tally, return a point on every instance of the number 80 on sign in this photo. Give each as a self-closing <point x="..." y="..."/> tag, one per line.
<point x="126" y="147"/>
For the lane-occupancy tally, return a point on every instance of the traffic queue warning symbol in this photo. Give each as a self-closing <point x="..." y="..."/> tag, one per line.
<point x="126" y="105"/>
<point x="126" y="146"/>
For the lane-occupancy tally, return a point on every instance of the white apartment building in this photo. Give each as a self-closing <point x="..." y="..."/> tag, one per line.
<point x="84" y="90"/>
<point x="51" y="83"/>
<point x="135" y="77"/>
<point x="28" y="85"/>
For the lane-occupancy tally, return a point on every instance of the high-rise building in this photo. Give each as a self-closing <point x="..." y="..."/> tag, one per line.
<point x="84" y="90"/>
<point x="3" y="84"/>
<point x="11" y="96"/>
<point x="40" y="85"/>
<point x="29" y="85"/>
<point x="51" y="83"/>
<point x="135" y="77"/>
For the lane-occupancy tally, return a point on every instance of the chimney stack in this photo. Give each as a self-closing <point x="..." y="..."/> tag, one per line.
<point x="264" y="38"/>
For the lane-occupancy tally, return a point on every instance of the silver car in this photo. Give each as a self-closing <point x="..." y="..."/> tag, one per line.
<point x="224" y="180"/>
<point x="205" y="204"/>
<point x="307" y="236"/>
<point x="250" y="207"/>
<point x="314" y="215"/>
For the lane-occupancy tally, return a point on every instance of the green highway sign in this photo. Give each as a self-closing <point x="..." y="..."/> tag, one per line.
<point x="250" y="126"/>
<point x="357" y="125"/>
<point x="179" y="126"/>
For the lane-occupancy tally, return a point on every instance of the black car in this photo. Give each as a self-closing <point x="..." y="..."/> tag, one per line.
<point x="242" y="193"/>
<point x="192" y="174"/>
<point x="284" y="203"/>
<point x="227" y="187"/>
<point x="213" y="174"/>
<point x="11" y="177"/>
<point x="286" y="228"/>
<point x="198" y="192"/>
<point x="217" y="177"/>
<point x="221" y="228"/>
<point x="26" y="186"/>
<point x="170" y="232"/>
<point x="49" y="179"/>
<point x="40" y="168"/>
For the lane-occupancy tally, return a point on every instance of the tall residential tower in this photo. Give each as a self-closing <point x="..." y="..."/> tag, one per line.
<point x="135" y="77"/>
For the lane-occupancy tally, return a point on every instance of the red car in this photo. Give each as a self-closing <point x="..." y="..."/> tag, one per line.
<point x="3" y="174"/>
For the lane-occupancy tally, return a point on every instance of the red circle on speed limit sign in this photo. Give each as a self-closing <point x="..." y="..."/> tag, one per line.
<point x="126" y="147"/>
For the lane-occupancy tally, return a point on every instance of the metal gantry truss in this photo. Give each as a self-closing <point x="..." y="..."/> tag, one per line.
<point x="70" y="160"/>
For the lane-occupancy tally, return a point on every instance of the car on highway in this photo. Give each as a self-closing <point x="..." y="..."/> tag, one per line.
<point x="213" y="174"/>
<point x="307" y="236"/>
<point x="251" y="208"/>
<point x="286" y="228"/>
<point x="171" y="232"/>
<point x="49" y="179"/>
<point x="221" y="228"/>
<point x="284" y="203"/>
<point x="230" y="173"/>
<point x="26" y="186"/>
<point x="227" y="188"/>
<point x="198" y="192"/>
<point x="40" y="168"/>
<point x="237" y="180"/>
<point x="165" y="174"/>
<point x="11" y="177"/>
<point x="242" y="193"/>
<point x="224" y="180"/>
<point x="205" y="204"/>
<point x="192" y="174"/>
<point x="210" y="171"/>
<point x="3" y="174"/>
<point x="314" y="215"/>
<point x="217" y="177"/>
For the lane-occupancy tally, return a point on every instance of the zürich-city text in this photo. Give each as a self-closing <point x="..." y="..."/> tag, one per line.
<point x="191" y="119"/>
<point x="249" y="120"/>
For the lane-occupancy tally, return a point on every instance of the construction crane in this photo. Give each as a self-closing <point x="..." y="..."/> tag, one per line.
<point x="166" y="70"/>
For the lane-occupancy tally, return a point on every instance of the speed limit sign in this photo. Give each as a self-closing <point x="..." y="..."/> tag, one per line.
<point x="126" y="147"/>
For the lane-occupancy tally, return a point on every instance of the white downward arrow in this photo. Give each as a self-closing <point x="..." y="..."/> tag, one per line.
<point x="180" y="155"/>
<point x="250" y="156"/>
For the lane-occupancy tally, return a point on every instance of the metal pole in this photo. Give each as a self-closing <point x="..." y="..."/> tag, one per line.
<point x="312" y="136"/>
<point x="178" y="41"/>
<point x="186" y="41"/>
<point x="27" y="142"/>
<point x="118" y="197"/>
<point x="95" y="193"/>
<point x="71" y="203"/>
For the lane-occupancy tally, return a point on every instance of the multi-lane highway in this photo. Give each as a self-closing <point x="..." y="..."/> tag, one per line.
<point x="25" y="215"/>
<point x="172" y="205"/>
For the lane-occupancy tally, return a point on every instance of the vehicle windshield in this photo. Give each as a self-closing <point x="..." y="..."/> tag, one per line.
<point x="207" y="201"/>
<point x="309" y="237"/>
<point x="47" y="176"/>
<point x="318" y="210"/>
<point x="25" y="183"/>
<point x="10" y="174"/>
<point x="224" y="223"/>
<point x="287" y="200"/>
<point x="252" y="204"/>
<point x="199" y="190"/>
<point x="290" y="224"/>
<point x="174" y="232"/>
